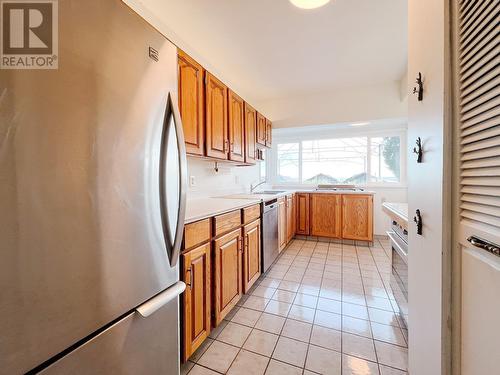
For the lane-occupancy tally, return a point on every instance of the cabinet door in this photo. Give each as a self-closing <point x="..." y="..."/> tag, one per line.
<point x="326" y="215"/>
<point x="303" y="214"/>
<point x="261" y="129"/>
<point x="294" y="215"/>
<point x="196" y="298"/>
<point x="236" y="121"/>
<point x="216" y="118"/>
<point x="250" y="134"/>
<point x="228" y="273"/>
<point x="289" y="219"/>
<point x="251" y="254"/>
<point x="282" y="232"/>
<point x="191" y="95"/>
<point x="357" y="217"/>
<point x="269" y="133"/>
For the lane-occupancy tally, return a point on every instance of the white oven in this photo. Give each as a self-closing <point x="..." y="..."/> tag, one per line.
<point x="399" y="278"/>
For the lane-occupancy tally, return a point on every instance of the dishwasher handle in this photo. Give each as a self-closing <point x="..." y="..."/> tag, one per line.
<point x="270" y="207"/>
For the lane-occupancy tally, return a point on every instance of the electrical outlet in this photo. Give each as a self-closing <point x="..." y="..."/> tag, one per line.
<point x="192" y="181"/>
<point x="236" y="179"/>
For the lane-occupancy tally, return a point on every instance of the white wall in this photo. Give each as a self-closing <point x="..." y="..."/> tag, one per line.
<point x="347" y="105"/>
<point x="429" y="189"/>
<point x="229" y="179"/>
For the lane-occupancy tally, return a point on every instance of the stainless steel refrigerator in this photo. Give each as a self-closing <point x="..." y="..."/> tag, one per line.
<point x="92" y="197"/>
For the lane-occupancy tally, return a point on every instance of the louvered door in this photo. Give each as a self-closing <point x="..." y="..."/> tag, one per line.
<point x="479" y="118"/>
<point x="477" y="126"/>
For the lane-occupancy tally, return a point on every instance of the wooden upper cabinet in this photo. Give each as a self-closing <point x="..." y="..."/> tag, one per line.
<point x="282" y="228"/>
<point x="269" y="133"/>
<point x="326" y="215"/>
<point x="251" y="254"/>
<point x="191" y="105"/>
<point x="357" y="217"/>
<point x="236" y="121"/>
<point x="228" y="273"/>
<point x="303" y="214"/>
<point x="216" y="118"/>
<point x="261" y="129"/>
<point x="196" y="300"/>
<point x="250" y="134"/>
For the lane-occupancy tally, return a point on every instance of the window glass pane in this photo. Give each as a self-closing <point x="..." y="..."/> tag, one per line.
<point x="385" y="159"/>
<point x="262" y="171"/>
<point x="288" y="162"/>
<point x="333" y="161"/>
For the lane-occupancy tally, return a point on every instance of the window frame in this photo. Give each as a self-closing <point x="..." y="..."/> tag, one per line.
<point x="272" y="166"/>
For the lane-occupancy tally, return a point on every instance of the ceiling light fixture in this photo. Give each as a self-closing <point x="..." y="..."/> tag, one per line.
<point x="360" y="124"/>
<point x="309" y="4"/>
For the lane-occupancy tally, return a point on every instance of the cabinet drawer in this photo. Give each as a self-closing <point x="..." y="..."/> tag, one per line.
<point x="196" y="233"/>
<point x="226" y="222"/>
<point x="251" y="213"/>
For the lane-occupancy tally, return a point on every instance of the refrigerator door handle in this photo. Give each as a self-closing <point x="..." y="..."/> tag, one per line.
<point x="155" y="303"/>
<point x="173" y="167"/>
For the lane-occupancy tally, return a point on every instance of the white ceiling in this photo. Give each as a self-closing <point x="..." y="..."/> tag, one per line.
<point x="269" y="49"/>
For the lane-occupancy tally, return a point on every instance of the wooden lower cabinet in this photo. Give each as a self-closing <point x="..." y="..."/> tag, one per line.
<point x="289" y="218"/>
<point x="294" y="219"/>
<point x="196" y="299"/>
<point x="303" y="214"/>
<point x="325" y="214"/>
<point x="251" y="254"/>
<point x="357" y="217"/>
<point x="227" y="273"/>
<point x="282" y="228"/>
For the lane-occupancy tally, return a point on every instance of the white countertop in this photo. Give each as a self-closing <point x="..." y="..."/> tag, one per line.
<point x="369" y="192"/>
<point x="201" y="208"/>
<point x="268" y="197"/>
<point x="398" y="209"/>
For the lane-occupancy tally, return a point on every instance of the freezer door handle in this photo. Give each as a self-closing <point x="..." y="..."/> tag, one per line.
<point x="173" y="180"/>
<point x="155" y="303"/>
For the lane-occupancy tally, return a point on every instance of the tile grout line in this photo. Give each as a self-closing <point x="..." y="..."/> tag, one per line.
<point x="364" y="293"/>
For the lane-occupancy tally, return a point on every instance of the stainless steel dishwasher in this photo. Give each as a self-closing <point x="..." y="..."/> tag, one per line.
<point x="270" y="233"/>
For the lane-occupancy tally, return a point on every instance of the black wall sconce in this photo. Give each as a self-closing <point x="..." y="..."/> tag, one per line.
<point x="418" y="150"/>
<point x="420" y="89"/>
<point x="418" y="220"/>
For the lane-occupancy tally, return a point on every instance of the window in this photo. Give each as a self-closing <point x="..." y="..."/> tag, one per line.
<point x="333" y="161"/>
<point x="355" y="160"/>
<point x="385" y="159"/>
<point x="288" y="162"/>
<point x="262" y="171"/>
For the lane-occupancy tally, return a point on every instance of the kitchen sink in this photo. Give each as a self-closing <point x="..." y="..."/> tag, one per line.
<point x="270" y="192"/>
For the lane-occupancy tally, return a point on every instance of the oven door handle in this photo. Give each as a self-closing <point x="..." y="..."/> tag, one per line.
<point x="395" y="244"/>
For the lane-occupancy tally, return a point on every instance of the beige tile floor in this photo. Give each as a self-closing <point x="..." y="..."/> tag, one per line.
<point x="323" y="308"/>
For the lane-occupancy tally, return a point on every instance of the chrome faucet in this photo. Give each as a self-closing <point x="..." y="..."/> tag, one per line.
<point x="253" y="187"/>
